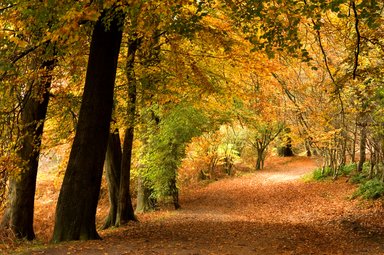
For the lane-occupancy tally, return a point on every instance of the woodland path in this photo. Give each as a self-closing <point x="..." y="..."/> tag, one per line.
<point x="272" y="211"/>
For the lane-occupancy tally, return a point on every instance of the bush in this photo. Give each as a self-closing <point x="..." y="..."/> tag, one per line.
<point x="359" y="178"/>
<point x="347" y="169"/>
<point x="371" y="189"/>
<point x="319" y="174"/>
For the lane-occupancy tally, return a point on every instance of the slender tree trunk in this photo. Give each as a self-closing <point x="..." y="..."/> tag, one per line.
<point x="79" y="194"/>
<point x="144" y="201"/>
<point x="363" y="145"/>
<point x="113" y="169"/>
<point x="125" y="210"/>
<point x="353" y="154"/>
<point x="19" y="215"/>
<point x="308" y="148"/>
<point x="343" y="152"/>
<point x="259" y="159"/>
<point x="174" y="192"/>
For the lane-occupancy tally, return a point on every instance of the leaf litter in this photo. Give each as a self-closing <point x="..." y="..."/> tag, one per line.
<point x="272" y="211"/>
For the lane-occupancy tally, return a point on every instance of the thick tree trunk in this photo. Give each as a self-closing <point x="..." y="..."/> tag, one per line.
<point x="125" y="210"/>
<point x="19" y="215"/>
<point x="79" y="194"/>
<point x="113" y="169"/>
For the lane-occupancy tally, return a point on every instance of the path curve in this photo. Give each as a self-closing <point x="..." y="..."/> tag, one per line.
<point x="269" y="212"/>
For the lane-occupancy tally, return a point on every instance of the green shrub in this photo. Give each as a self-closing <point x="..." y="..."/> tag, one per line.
<point x="319" y="174"/>
<point x="359" y="178"/>
<point x="347" y="169"/>
<point x="371" y="189"/>
<point x="366" y="167"/>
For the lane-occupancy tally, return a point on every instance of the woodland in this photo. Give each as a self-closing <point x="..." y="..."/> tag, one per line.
<point x="132" y="106"/>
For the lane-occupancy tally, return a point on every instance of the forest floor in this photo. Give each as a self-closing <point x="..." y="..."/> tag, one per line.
<point x="272" y="211"/>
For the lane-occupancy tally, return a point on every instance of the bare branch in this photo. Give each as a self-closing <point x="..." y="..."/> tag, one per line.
<point x="324" y="54"/>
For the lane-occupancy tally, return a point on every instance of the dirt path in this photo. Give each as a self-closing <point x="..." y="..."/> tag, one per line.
<point x="270" y="212"/>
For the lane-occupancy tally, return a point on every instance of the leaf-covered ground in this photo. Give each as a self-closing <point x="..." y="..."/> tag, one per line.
<point x="272" y="211"/>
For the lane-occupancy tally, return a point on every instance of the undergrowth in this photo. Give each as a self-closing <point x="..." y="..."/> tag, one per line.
<point x="320" y="174"/>
<point x="368" y="188"/>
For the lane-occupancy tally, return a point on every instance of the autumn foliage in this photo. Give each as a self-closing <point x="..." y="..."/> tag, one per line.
<point x="197" y="91"/>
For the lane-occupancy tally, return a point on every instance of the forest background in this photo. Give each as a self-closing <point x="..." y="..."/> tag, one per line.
<point x="177" y="91"/>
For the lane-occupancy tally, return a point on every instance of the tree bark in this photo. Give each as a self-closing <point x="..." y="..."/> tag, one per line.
<point x="259" y="160"/>
<point x="144" y="201"/>
<point x="77" y="203"/>
<point x="353" y="153"/>
<point x="308" y="148"/>
<point x="363" y="145"/>
<point x="19" y="215"/>
<point x="113" y="169"/>
<point x="174" y="192"/>
<point x="125" y="210"/>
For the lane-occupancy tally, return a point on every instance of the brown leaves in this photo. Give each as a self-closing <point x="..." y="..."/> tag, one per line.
<point x="269" y="212"/>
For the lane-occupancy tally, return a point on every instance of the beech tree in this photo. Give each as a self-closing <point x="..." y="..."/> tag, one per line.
<point x="76" y="206"/>
<point x="125" y="210"/>
<point x="31" y="65"/>
<point x="113" y="172"/>
<point x="185" y="60"/>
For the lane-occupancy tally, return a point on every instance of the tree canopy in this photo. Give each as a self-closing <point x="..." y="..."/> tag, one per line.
<point x="191" y="86"/>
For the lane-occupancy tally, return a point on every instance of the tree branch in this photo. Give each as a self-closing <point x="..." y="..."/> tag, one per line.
<point x="23" y="54"/>
<point x="357" y="50"/>
<point x="324" y="54"/>
<point x="7" y="7"/>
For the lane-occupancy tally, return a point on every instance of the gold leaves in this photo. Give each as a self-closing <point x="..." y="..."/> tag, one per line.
<point x="19" y="42"/>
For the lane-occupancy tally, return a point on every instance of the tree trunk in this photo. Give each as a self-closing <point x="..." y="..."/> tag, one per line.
<point x="307" y="146"/>
<point x="19" y="214"/>
<point x="79" y="194"/>
<point x="174" y="192"/>
<point x="363" y="145"/>
<point x="113" y="169"/>
<point x="353" y="153"/>
<point x="144" y="201"/>
<point x="125" y="210"/>
<point x="259" y="159"/>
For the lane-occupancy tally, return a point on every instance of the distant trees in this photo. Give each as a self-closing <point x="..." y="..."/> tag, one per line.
<point x="188" y="72"/>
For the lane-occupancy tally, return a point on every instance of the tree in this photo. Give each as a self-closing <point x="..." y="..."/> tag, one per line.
<point x="30" y="66"/>
<point x="76" y="206"/>
<point x="113" y="172"/>
<point x="22" y="186"/>
<point x="125" y="210"/>
<point x="167" y="148"/>
<point x="262" y="134"/>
